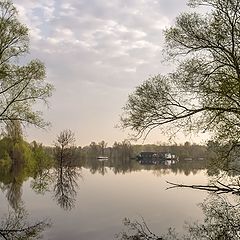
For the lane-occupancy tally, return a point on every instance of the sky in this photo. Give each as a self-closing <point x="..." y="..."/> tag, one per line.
<point x="96" y="52"/>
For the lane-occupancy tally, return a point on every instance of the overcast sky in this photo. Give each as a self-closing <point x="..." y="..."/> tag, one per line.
<point x="95" y="52"/>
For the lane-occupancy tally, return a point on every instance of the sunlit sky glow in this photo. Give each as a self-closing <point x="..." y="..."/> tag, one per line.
<point x="96" y="52"/>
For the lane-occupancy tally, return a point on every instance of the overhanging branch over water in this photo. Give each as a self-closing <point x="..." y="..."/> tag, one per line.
<point x="217" y="187"/>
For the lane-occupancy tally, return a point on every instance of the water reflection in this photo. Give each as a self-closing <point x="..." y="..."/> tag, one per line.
<point x="12" y="178"/>
<point x="61" y="178"/>
<point x="42" y="181"/>
<point x="65" y="173"/>
<point x="65" y="185"/>
<point x="61" y="181"/>
<point x="97" y="166"/>
<point x="15" y="225"/>
<point x="127" y="165"/>
<point x="221" y="221"/>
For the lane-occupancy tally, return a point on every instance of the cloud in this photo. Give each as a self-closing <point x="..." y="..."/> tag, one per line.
<point x="93" y="46"/>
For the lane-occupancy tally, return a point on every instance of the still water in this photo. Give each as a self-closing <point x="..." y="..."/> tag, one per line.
<point x="90" y="203"/>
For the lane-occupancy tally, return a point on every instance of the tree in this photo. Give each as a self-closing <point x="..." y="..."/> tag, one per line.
<point x="21" y="86"/>
<point x="14" y="130"/>
<point x="94" y="150"/>
<point x="203" y="94"/>
<point x="64" y="141"/>
<point x="65" y="138"/>
<point x="102" y="145"/>
<point x="66" y="174"/>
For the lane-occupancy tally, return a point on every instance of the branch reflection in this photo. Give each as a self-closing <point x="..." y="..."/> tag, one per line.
<point x="65" y="186"/>
<point x="66" y="173"/>
<point x="15" y="225"/>
<point x="221" y="221"/>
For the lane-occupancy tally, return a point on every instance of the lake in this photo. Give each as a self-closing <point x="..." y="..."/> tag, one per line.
<point x="91" y="202"/>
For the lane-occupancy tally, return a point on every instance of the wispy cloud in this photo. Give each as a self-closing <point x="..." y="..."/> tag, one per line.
<point x="94" y="46"/>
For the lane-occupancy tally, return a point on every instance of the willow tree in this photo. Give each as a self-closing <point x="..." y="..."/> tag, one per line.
<point x="203" y="94"/>
<point x="21" y="85"/>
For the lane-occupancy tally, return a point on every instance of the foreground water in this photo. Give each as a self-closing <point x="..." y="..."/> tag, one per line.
<point x="86" y="203"/>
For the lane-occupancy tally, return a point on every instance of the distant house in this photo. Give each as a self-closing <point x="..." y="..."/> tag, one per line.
<point x="148" y="157"/>
<point x="156" y="157"/>
<point x="166" y="155"/>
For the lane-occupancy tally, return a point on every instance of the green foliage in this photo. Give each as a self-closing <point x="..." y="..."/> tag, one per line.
<point x="13" y="130"/>
<point x="19" y="161"/>
<point x="23" y="156"/>
<point x="42" y="158"/>
<point x="223" y="157"/>
<point x="21" y="86"/>
<point x="5" y="161"/>
<point x="203" y="94"/>
<point x="5" y="148"/>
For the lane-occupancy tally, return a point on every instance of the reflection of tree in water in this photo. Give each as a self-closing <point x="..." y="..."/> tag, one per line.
<point x="12" y="185"/>
<point x="14" y="225"/>
<point x="221" y="214"/>
<point x="97" y="166"/>
<point x="14" y="193"/>
<point x="102" y="168"/>
<point x="42" y="181"/>
<point x="127" y="165"/>
<point x="65" y="186"/>
<point x="66" y="174"/>
<point x="123" y="165"/>
<point x="221" y="222"/>
<point x="222" y="218"/>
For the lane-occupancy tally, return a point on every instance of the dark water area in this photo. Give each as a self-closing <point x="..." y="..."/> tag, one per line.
<point x="90" y="201"/>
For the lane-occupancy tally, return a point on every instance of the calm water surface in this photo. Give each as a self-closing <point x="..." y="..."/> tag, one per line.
<point x="100" y="199"/>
